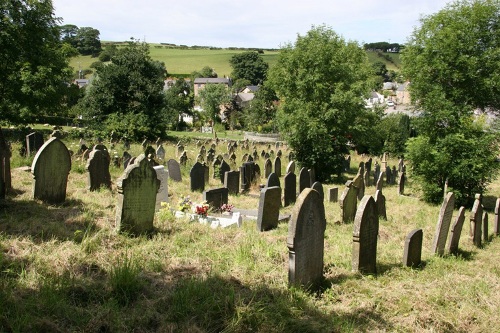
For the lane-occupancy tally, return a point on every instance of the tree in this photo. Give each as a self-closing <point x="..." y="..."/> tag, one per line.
<point x="211" y="97"/>
<point x="179" y="99"/>
<point x="126" y="96"/>
<point x="320" y="80"/>
<point x="453" y="62"/>
<point x="206" y="71"/>
<point x="249" y="66"/>
<point x="260" y="116"/>
<point x="33" y="62"/>
<point x="88" y="42"/>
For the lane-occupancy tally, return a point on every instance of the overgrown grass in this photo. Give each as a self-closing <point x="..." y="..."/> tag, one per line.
<point x="64" y="268"/>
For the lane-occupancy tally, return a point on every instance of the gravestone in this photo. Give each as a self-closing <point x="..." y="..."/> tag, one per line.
<point x="412" y="256"/>
<point x="160" y="152"/>
<point x="476" y="217"/>
<point x="183" y="159"/>
<point x="365" y="236"/>
<point x="443" y="224"/>
<point x="247" y="175"/>
<point x="376" y="173"/>
<point x="384" y="161"/>
<point x="388" y="176"/>
<point x="496" y="226"/>
<point x="347" y="163"/>
<point x="82" y="149"/>
<point x="273" y="180"/>
<point x="318" y="187"/>
<point x="174" y="170"/>
<point x="485" y="227"/>
<point x="368" y="166"/>
<point x="312" y="176"/>
<point x="150" y="152"/>
<point x="455" y="231"/>
<point x="306" y="241"/>
<point x="290" y="189"/>
<point x="162" y="195"/>
<point x="206" y="173"/>
<point x="268" y="168"/>
<point x="216" y="197"/>
<point x="333" y="194"/>
<point x="137" y="189"/>
<point x="269" y="208"/>
<point x="232" y="182"/>
<point x="304" y="179"/>
<point x="216" y="166"/>
<point x="359" y="185"/>
<point x="180" y="149"/>
<point x="290" y="168"/>
<point x="277" y="166"/>
<point x="5" y="174"/>
<point x="380" y="182"/>
<point x="394" y="175"/>
<point x="34" y="141"/>
<point x="126" y="144"/>
<point x="401" y="183"/>
<point x="50" y="169"/>
<point x="224" y="167"/>
<point x="348" y="201"/>
<point x="380" y="202"/>
<point x="197" y="177"/>
<point x="126" y="159"/>
<point x="98" y="170"/>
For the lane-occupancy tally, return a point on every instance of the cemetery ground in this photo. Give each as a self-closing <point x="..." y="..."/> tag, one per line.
<point x="65" y="268"/>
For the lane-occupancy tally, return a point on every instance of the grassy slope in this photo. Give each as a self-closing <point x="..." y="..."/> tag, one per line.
<point x="63" y="268"/>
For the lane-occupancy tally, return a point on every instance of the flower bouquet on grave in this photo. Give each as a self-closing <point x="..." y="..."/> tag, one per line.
<point x="226" y="209"/>
<point x="185" y="204"/>
<point x="202" y="210"/>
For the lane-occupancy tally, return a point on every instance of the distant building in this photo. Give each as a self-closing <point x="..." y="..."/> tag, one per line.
<point x="81" y="82"/>
<point x="200" y="83"/>
<point x="243" y="99"/>
<point x="403" y="94"/>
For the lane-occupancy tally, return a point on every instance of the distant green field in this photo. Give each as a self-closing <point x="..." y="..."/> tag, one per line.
<point x="186" y="61"/>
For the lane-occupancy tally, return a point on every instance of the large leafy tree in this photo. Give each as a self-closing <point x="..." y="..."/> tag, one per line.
<point x="34" y="67"/>
<point x="260" y="116"/>
<point x="249" y="66"/>
<point x="453" y="63"/>
<point x="86" y="39"/>
<point x="126" y="96"/>
<point x="320" y="80"/>
<point x="211" y="98"/>
<point x="179" y="100"/>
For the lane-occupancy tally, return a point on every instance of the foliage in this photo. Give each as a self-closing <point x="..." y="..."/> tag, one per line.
<point x="108" y="53"/>
<point x="249" y="66"/>
<point x="206" y="71"/>
<point x="211" y="97"/>
<point x="363" y="137"/>
<point x="85" y="39"/>
<point x="262" y="110"/>
<point x="394" y="130"/>
<point x="320" y="81"/>
<point x="33" y="62"/>
<point x="126" y="96"/>
<point x="185" y="204"/>
<point x="179" y="100"/>
<point x="384" y="46"/>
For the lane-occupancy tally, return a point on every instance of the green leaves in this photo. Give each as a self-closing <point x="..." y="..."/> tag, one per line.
<point x="249" y="66"/>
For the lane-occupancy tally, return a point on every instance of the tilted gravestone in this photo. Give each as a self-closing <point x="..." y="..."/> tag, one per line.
<point x="197" y="177"/>
<point x="98" y="170"/>
<point x="319" y="188"/>
<point x="412" y="256"/>
<point x="268" y="168"/>
<point x="380" y="202"/>
<point x="269" y="208"/>
<point x="50" y="170"/>
<point x="348" y="201"/>
<point x="223" y="168"/>
<point x="496" y="226"/>
<point x="359" y="184"/>
<point x="174" y="170"/>
<point x="216" y="197"/>
<point x="304" y="179"/>
<point x="485" y="227"/>
<point x="137" y="189"/>
<point x="160" y="152"/>
<point x="333" y="194"/>
<point x="456" y="231"/>
<point x="277" y="166"/>
<point x="183" y="159"/>
<point x="232" y="182"/>
<point x="34" y="141"/>
<point x="290" y="189"/>
<point x="273" y="180"/>
<point x="5" y="174"/>
<point x="162" y="195"/>
<point x="443" y="224"/>
<point x="376" y="173"/>
<point x="476" y="217"/>
<point x="305" y="241"/>
<point x="290" y="168"/>
<point x="380" y="182"/>
<point x="365" y="236"/>
<point x="401" y="183"/>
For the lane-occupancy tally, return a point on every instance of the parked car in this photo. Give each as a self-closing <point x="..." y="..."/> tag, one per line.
<point x="390" y="103"/>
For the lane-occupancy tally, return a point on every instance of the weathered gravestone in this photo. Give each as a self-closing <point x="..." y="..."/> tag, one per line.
<point x="290" y="189"/>
<point x="347" y="163"/>
<point x="160" y="152"/>
<point x="312" y="176"/>
<point x="333" y="194"/>
<point x="476" y="217"/>
<point x="50" y="169"/>
<point x="365" y="236"/>
<point x="277" y="166"/>
<point x="376" y="173"/>
<point x="455" y="231"/>
<point x="126" y="159"/>
<point x="388" y="176"/>
<point x="183" y="159"/>
<point x="348" y="201"/>
<point x="305" y="241"/>
<point x="162" y="195"/>
<point x="268" y="168"/>
<point x="247" y="175"/>
<point x="98" y="170"/>
<point x="380" y="182"/>
<point x="485" y="227"/>
<point x="223" y="168"/>
<point x="269" y="208"/>
<point x="34" y="141"/>
<point x="401" y="183"/>
<point x="318" y="187"/>
<point x="197" y="177"/>
<point x="216" y="166"/>
<point x="232" y="182"/>
<point x="5" y="175"/>
<point x="273" y="180"/>
<point x="137" y="189"/>
<point x="412" y="256"/>
<point x="380" y="202"/>
<point x="290" y="168"/>
<point x="443" y="224"/>
<point x="359" y="184"/>
<point x="304" y="179"/>
<point x="216" y="197"/>
<point x="496" y="226"/>
<point x="174" y="170"/>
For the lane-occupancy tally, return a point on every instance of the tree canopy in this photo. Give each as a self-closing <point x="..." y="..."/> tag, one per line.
<point x="86" y="39"/>
<point x="320" y="80"/>
<point x="249" y="66"/>
<point x="33" y="62"/>
<point x="211" y="97"/>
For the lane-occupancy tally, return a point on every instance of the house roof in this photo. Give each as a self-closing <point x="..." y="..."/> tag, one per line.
<point x="205" y="80"/>
<point x="245" y="97"/>
<point x="403" y="86"/>
<point x="252" y="88"/>
<point x="81" y="82"/>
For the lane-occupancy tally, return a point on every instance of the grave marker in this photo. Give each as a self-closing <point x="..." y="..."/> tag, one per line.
<point x="443" y="224"/>
<point x="277" y="166"/>
<point x="290" y="189"/>
<point x="365" y="235"/>
<point x="348" y="201"/>
<point x="174" y="170"/>
<point x="485" y="227"/>
<point x="496" y="226"/>
<point x="232" y="182"/>
<point x="455" y="231"/>
<point x="476" y="216"/>
<point x="380" y="202"/>
<point x="318" y="187"/>
<point x="224" y="167"/>
<point x="197" y="177"/>
<point x="268" y="168"/>
<point x="273" y="180"/>
<point x="412" y="256"/>
<point x="216" y="197"/>
<point x="98" y="170"/>
<point x="34" y="141"/>
<point x="304" y="179"/>
<point x="333" y="194"/>
<point x="269" y="208"/>
<point x="162" y="195"/>
<point x="290" y="168"/>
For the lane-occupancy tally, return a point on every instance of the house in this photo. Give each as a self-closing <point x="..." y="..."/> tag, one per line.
<point x="374" y="99"/>
<point x="251" y="89"/>
<point x="243" y="99"/>
<point x="200" y="83"/>
<point x="81" y="82"/>
<point x="402" y="93"/>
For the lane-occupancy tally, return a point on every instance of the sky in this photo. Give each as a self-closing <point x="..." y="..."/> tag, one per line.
<point x="250" y="23"/>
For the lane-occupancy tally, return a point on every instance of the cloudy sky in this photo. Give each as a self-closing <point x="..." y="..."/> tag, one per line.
<point x="254" y="23"/>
